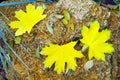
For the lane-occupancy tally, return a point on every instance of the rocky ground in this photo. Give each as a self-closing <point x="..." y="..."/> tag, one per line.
<point x="82" y="12"/>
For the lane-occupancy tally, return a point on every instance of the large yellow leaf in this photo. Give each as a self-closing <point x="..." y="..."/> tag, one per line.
<point x="61" y="54"/>
<point x="26" y="20"/>
<point x="96" y="41"/>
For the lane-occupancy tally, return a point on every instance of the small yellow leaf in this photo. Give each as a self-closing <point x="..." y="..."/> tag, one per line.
<point x="61" y="54"/>
<point x="65" y="22"/>
<point x="72" y="26"/>
<point x="26" y="20"/>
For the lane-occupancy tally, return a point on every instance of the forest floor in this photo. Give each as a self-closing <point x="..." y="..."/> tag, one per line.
<point x="39" y="37"/>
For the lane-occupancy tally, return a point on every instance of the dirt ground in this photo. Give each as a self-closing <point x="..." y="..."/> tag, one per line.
<point x="82" y="12"/>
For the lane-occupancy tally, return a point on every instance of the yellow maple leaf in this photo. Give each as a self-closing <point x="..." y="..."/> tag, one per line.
<point x="96" y="41"/>
<point x="60" y="55"/>
<point x="27" y="19"/>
